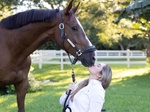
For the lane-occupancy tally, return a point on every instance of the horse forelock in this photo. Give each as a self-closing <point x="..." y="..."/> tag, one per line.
<point x="32" y="16"/>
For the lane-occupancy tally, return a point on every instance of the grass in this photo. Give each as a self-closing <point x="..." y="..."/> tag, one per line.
<point x="128" y="92"/>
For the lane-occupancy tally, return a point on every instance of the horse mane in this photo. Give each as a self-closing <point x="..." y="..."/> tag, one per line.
<point x="31" y="16"/>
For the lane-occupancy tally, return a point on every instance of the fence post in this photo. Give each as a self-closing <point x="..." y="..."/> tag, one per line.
<point x="61" y="60"/>
<point x="96" y="56"/>
<point x="40" y="59"/>
<point x="128" y="58"/>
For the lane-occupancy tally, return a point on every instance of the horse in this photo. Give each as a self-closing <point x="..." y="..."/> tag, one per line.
<point x="22" y="33"/>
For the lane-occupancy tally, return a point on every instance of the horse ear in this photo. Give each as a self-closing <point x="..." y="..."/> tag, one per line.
<point x="68" y="8"/>
<point x="75" y="8"/>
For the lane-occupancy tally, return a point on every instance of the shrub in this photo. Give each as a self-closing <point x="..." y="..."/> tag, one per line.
<point x="34" y="85"/>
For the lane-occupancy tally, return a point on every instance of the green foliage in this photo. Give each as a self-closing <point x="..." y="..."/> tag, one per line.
<point x="5" y="10"/>
<point x="148" y="61"/>
<point x="96" y="18"/>
<point x="34" y="85"/>
<point x="49" y="46"/>
<point x="90" y="19"/>
<point x="7" y="90"/>
<point x="142" y="25"/>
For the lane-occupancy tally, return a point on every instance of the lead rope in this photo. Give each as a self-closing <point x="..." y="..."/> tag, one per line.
<point x="68" y="94"/>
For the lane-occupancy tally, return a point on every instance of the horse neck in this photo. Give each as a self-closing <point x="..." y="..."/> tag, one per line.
<point x="32" y="36"/>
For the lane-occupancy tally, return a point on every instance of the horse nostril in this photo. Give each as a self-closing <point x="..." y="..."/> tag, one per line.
<point x="93" y="59"/>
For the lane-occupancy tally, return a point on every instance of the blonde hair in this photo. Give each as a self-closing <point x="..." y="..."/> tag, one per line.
<point x="106" y="76"/>
<point x="80" y="86"/>
<point x="105" y="79"/>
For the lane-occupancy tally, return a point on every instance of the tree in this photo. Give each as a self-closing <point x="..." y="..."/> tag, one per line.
<point x="5" y="9"/>
<point x="138" y="11"/>
<point x="136" y="8"/>
<point x="113" y="34"/>
<point x="96" y="18"/>
<point x="89" y="15"/>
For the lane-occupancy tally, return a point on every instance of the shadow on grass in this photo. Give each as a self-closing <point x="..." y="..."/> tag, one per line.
<point x="131" y="94"/>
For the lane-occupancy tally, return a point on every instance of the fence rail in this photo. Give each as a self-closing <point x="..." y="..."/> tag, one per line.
<point x="105" y="56"/>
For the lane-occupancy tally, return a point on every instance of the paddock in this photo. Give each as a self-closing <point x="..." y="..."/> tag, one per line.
<point x="128" y="92"/>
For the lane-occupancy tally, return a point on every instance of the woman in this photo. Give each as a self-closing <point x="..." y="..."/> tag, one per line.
<point x="88" y="95"/>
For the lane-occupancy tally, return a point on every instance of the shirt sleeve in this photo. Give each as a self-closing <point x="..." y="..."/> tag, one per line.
<point x="96" y="101"/>
<point x="63" y="98"/>
<point x="64" y="95"/>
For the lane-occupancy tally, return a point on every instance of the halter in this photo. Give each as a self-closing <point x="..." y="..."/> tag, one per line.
<point x="64" y="37"/>
<point x="78" y="53"/>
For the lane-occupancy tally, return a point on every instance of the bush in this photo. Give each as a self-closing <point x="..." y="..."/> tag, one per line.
<point x="34" y="85"/>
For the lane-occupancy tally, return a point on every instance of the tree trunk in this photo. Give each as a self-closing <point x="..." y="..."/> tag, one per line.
<point x="148" y="51"/>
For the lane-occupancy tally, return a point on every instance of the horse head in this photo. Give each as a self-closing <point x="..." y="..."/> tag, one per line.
<point x="73" y="37"/>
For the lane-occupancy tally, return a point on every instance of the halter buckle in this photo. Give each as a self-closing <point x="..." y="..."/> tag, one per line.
<point x="79" y="53"/>
<point x="61" y="26"/>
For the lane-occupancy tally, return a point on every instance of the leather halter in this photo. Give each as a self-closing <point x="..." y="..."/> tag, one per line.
<point x="64" y="37"/>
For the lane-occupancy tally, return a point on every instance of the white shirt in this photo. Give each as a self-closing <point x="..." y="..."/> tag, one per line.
<point x="88" y="99"/>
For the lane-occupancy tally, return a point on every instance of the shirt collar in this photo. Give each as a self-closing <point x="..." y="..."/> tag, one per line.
<point x="94" y="82"/>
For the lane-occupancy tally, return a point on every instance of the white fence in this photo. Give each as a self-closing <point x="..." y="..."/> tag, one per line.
<point x="105" y="56"/>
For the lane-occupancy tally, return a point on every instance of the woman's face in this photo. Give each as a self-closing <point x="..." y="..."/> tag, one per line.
<point x="96" y="68"/>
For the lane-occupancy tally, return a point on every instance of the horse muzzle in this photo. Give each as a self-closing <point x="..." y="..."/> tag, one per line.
<point x="88" y="59"/>
<point x="86" y="56"/>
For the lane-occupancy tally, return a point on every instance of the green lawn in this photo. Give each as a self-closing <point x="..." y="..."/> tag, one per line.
<point x="128" y="92"/>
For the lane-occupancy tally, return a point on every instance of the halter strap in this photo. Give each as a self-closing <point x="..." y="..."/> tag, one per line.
<point x="61" y="24"/>
<point x="65" y="37"/>
<point x="78" y="53"/>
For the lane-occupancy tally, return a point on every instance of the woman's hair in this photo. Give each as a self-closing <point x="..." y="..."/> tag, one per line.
<point x="80" y="86"/>
<point x="106" y="73"/>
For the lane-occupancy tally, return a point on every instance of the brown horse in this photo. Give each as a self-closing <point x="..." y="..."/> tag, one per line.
<point x="23" y="33"/>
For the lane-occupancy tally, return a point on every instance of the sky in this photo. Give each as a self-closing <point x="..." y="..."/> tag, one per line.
<point x="27" y="4"/>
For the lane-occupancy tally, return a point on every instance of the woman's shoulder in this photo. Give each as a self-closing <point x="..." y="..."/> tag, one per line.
<point x="96" y="86"/>
<point x="80" y="81"/>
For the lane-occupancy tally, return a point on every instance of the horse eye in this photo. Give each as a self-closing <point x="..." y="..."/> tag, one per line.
<point x="74" y="28"/>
